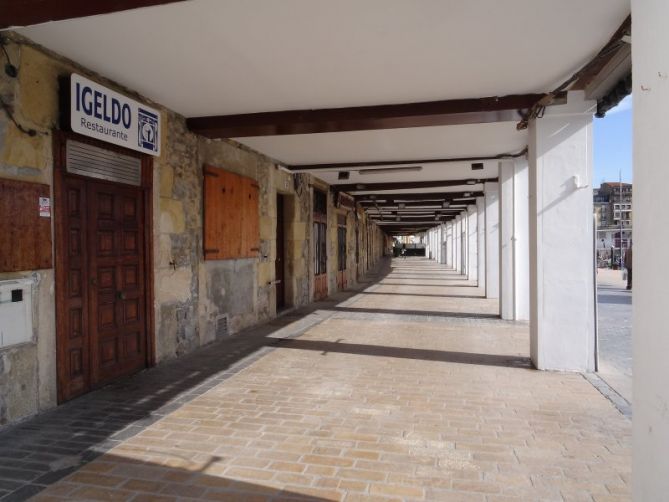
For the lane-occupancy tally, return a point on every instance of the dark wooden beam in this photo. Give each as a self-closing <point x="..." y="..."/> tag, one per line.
<point x="345" y="166"/>
<point x="365" y="118"/>
<point x="614" y="46"/>
<point x="28" y="12"/>
<point x="373" y="187"/>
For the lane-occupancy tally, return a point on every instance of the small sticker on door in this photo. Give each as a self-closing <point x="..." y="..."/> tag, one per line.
<point x="45" y="207"/>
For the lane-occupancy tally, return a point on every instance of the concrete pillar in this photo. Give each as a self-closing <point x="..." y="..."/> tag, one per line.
<point x="507" y="259"/>
<point x="458" y="244"/>
<point x="449" y="244"/>
<point x="491" y="195"/>
<point x="472" y="244"/>
<point x="562" y="314"/>
<point x="650" y="436"/>
<point x="480" y="238"/>
<point x="521" y="239"/>
<point x="514" y="240"/>
<point x="463" y="243"/>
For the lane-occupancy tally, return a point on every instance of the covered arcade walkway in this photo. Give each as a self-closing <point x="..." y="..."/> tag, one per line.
<point x="410" y="389"/>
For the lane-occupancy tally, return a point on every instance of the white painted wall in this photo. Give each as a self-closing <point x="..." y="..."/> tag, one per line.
<point x="472" y="243"/>
<point x="562" y="318"/>
<point x="480" y="245"/>
<point x="491" y="195"/>
<point x="650" y="452"/>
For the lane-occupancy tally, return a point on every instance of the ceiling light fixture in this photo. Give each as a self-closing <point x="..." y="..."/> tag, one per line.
<point x="401" y="205"/>
<point x="446" y="204"/>
<point x="472" y="182"/>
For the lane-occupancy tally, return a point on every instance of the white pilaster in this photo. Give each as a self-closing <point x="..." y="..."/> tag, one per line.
<point x="562" y="323"/>
<point x="491" y="195"/>
<point x="480" y="226"/>
<point x="650" y="436"/>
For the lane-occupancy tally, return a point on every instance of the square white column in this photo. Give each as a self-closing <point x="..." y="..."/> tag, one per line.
<point x="458" y="245"/>
<point x="449" y="244"/>
<point x="521" y="239"/>
<point x="514" y="240"/>
<point x="492" y="261"/>
<point x="562" y="314"/>
<point x="480" y="245"/>
<point x="507" y="298"/>
<point x="650" y="435"/>
<point x="472" y="243"/>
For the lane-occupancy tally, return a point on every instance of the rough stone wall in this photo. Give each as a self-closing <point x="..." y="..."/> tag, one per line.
<point x="190" y="294"/>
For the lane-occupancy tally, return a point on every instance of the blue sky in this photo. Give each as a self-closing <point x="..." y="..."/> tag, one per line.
<point x="613" y="144"/>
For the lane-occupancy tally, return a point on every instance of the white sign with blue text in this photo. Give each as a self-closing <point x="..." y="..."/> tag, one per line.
<point x="106" y="115"/>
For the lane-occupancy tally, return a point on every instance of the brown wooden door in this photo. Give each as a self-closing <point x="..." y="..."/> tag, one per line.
<point x="116" y="270"/>
<point x="73" y="339"/>
<point x="279" y="264"/>
<point x="104" y="335"/>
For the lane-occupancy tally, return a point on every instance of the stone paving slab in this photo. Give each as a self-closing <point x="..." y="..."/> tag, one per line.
<point x="372" y="408"/>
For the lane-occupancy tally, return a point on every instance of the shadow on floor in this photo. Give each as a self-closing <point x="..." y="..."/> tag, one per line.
<point x="383" y="283"/>
<point x="408" y="353"/>
<point x="425" y="313"/>
<point x="620" y="299"/>
<point x="122" y="476"/>
<point x="474" y="297"/>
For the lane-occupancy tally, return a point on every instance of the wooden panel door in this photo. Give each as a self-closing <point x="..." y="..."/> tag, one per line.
<point x="117" y="324"/>
<point x="72" y="270"/>
<point x="279" y="264"/>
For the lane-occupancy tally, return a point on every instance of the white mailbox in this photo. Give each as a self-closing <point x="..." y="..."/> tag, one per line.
<point x="16" y="312"/>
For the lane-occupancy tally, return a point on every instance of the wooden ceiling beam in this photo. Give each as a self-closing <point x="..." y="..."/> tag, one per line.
<point x="14" y="13"/>
<point x="365" y="118"/>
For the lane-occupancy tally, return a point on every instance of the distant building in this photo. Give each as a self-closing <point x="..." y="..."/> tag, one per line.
<point x="612" y="203"/>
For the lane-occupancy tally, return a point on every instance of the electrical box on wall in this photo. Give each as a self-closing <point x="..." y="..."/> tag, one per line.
<point x="16" y="313"/>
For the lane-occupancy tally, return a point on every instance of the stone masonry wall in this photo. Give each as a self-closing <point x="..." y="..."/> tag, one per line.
<point x="191" y="294"/>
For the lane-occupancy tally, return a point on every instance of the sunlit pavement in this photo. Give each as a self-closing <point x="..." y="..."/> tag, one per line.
<point x="409" y="390"/>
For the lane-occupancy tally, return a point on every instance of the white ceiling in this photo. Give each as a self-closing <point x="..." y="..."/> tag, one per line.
<point x="429" y="172"/>
<point x="388" y="144"/>
<point x="209" y="57"/>
<point x="217" y="57"/>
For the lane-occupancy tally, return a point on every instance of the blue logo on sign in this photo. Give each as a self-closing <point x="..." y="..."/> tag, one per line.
<point x="147" y="130"/>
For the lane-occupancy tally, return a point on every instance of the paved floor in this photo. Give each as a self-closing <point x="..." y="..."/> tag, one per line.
<point x="410" y="390"/>
<point x="614" y="305"/>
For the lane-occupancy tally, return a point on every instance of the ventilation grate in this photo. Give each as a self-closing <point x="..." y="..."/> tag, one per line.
<point x="88" y="160"/>
<point x="222" y="328"/>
